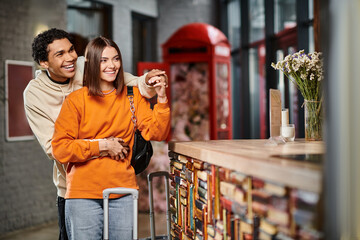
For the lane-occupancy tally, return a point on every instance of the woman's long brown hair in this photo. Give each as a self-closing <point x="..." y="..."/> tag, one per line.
<point x="93" y="54"/>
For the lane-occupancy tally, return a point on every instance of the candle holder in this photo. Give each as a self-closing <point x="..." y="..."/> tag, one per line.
<point x="287" y="131"/>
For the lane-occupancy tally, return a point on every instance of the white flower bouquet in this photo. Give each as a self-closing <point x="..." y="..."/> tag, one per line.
<point x="306" y="72"/>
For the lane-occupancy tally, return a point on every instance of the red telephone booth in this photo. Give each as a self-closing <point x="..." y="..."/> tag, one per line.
<point x="197" y="59"/>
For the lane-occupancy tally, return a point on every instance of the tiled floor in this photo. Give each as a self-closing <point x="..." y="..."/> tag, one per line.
<point x="50" y="231"/>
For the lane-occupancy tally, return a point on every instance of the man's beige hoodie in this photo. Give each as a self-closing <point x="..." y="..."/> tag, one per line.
<point x="43" y="99"/>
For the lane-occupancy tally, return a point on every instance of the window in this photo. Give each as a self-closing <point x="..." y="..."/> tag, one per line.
<point x="268" y="30"/>
<point x="144" y="39"/>
<point x="87" y="20"/>
<point x="233" y="10"/>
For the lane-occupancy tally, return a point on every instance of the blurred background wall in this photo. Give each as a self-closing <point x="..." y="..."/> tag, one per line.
<point x="27" y="193"/>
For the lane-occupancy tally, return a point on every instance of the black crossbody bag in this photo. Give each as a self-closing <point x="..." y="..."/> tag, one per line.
<point x="142" y="149"/>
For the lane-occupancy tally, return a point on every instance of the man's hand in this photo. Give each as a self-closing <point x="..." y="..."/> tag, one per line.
<point x="155" y="76"/>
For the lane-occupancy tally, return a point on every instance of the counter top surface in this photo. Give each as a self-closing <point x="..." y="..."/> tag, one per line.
<point x="257" y="158"/>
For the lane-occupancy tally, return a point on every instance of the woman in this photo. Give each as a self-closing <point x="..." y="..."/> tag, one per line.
<point x="98" y="110"/>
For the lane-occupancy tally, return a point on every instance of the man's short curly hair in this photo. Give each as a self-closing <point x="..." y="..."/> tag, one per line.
<point x="42" y="41"/>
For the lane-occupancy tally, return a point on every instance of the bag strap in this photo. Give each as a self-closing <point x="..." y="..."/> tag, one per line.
<point x="130" y="95"/>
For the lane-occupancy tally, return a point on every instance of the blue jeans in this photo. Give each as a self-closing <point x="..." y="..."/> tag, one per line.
<point x="84" y="218"/>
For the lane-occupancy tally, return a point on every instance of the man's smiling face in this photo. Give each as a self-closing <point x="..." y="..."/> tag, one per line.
<point x="61" y="61"/>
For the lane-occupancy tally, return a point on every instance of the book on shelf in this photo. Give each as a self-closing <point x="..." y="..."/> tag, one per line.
<point x="259" y="195"/>
<point x="305" y="200"/>
<point x="247" y="236"/>
<point x="216" y="192"/>
<point x="172" y="190"/>
<point x="237" y="178"/>
<point x="278" y="217"/>
<point x="173" y="184"/>
<point x="249" y="189"/>
<point x="172" y="168"/>
<point x="183" y="191"/>
<point x="198" y="214"/>
<point x="199" y="225"/>
<point x="190" y="165"/>
<point x="267" y="227"/>
<point x="304" y="217"/>
<point x="223" y="174"/>
<point x="202" y="183"/>
<point x="284" y="233"/>
<point x="226" y="203"/>
<point x="239" y="209"/>
<point x="232" y="192"/>
<point x="182" y="182"/>
<point x="310" y="233"/>
<point x="260" y="208"/>
<point x="173" y="216"/>
<point x="202" y="194"/>
<point x="275" y="189"/>
<point x="183" y="200"/>
<point x="184" y="216"/>
<point x="178" y="212"/>
<point x="219" y="236"/>
<point x="202" y="175"/>
<point x="172" y="201"/>
<point x="191" y="207"/>
<point x="281" y="203"/>
<point x="172" y="155"/>
<point x="177" y="172"/>
<point x="178" y="165"/>
<point x="182" y="159"/>
<point x="189" y="233"/>
<point x="189" y="175"/>
<point x="227" y="189"/>
<point x="176" y="232"/>
<point x="257" y="183"/>
<point x="245" y="226"/>
<point x="173" y="210"/>
<point x="209" y="200"/>
<point x="211" y="230"/>
<point x="199" y="236"/>
<point x="185" y="237"/>
<point x="200" y="204"/>
<point x="225" y="223"/>
<point x="198" y="164"/>
<point x="266" y="236"/>
<point x="205" y="222"/>
<point x="219" y="226"/>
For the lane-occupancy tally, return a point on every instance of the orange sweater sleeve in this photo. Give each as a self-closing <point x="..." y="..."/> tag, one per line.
<point x="153" y="124"/>
<point x="65" y="143"/>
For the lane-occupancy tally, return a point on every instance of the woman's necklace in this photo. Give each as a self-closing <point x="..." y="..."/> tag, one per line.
<point x="109" y="92"/>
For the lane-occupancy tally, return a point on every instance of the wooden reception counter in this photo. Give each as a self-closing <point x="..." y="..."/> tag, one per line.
<point x="246" y="189"/>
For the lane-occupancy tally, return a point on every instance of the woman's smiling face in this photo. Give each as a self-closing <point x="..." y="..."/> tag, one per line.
<point x="109" y="67"/>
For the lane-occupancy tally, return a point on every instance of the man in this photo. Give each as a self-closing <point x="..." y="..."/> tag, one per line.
<point x="54" y="51"/>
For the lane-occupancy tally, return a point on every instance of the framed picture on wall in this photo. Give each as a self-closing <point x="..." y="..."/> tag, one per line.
<point x="17" y="76"/>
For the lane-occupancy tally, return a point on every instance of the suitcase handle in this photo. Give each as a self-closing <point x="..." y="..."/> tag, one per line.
<point x="106" y="193"/>
<point x="151" y="204"/>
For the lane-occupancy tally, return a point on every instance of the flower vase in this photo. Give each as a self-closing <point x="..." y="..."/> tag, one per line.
<point x="313" y="120"/>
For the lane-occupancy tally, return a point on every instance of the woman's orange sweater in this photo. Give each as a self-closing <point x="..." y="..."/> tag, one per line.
<point x="83" y="118"/>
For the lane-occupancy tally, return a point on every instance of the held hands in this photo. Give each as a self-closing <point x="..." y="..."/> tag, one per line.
<point x="155" y="76"/>
<point x="158" y="79"/>
<point x="116" y="148"/>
